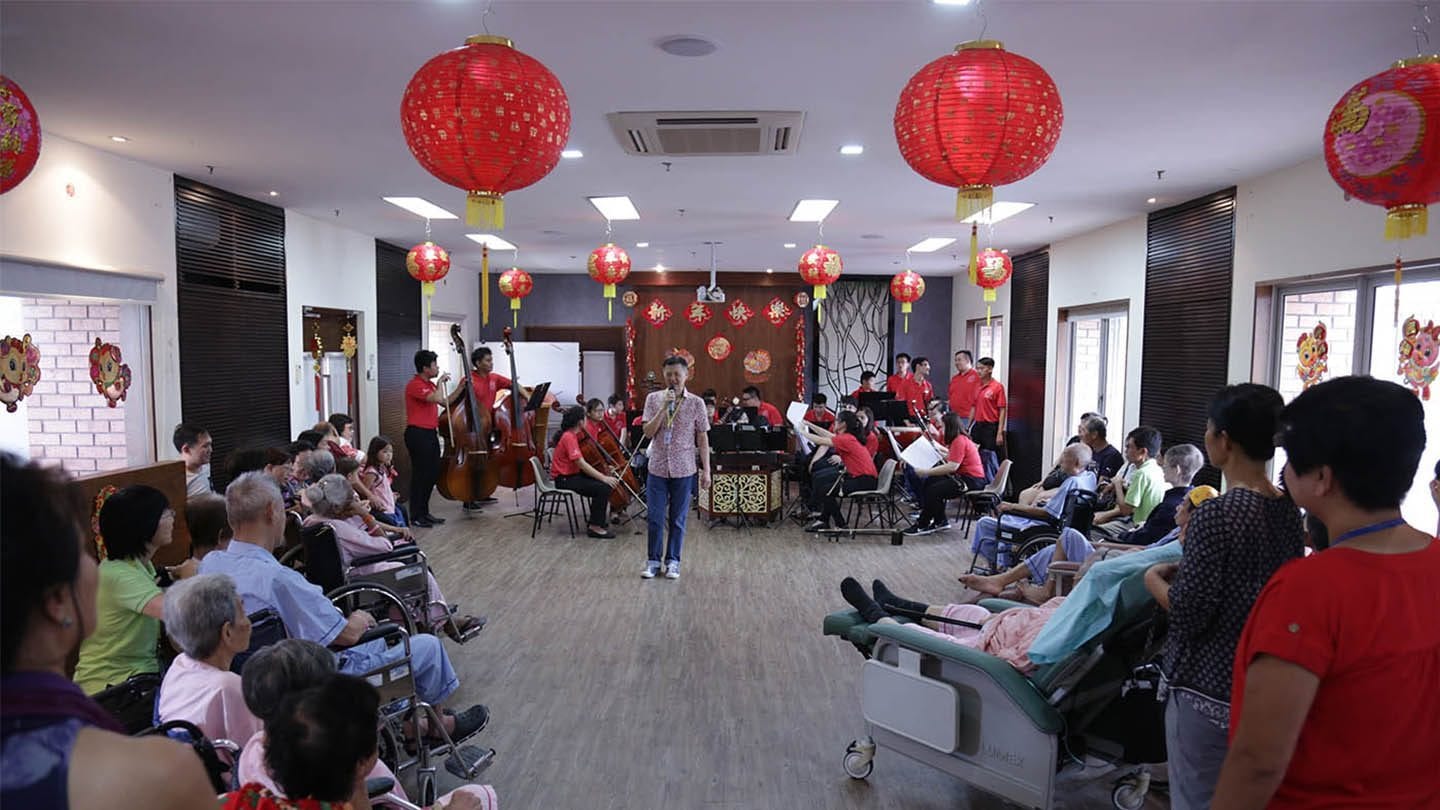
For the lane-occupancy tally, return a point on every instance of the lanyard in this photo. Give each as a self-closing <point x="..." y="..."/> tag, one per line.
<point x="1371" y="529"/>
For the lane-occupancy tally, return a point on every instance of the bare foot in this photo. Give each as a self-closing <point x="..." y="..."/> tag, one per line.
<point x="1035" y="594"/>
<point x="987" y="585"/>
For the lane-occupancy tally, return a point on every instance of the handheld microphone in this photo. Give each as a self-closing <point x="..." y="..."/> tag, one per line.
<point x="674" y="401"/>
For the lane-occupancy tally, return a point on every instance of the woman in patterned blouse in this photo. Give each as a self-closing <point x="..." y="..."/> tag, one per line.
<point x="1233" y="545"/>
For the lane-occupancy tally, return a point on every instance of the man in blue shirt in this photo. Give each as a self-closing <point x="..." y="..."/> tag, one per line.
<point x="257" y="515"/>
<point x="1073" y="461"/>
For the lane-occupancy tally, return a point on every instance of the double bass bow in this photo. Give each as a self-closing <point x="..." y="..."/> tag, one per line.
<point x="467" y="472"/>
<point x="518" y="429"/>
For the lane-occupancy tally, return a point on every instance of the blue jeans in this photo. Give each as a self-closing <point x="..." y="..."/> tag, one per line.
<point x="1197" y="740"/>
<point x="667" y="500"/>
<point x="435" y="679"/>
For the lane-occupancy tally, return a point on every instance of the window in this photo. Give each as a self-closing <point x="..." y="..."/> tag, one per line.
<point x="986" y="338"/>
<point x="1096" y="356"/>
<point x="1363" y="337"/>
<point x="439" y="342"/>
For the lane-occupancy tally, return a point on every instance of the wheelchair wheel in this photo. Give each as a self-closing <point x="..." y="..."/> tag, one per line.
<point x="1129" y="793"/>
<point x="428" y="792"/>
<point x="859" y="760"/>
<point x="1032" y="540"/>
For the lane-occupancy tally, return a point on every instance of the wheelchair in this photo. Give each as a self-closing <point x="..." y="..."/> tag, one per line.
<point x="1014" y="543"/>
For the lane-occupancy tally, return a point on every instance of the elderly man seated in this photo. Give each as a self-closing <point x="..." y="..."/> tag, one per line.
<point x="257" y="516"/>
<point x="206" y="619"/>
<point x="1073" y="462"/>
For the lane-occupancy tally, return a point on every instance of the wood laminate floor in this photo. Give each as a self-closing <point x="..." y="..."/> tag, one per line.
<point x="715" y="691"/>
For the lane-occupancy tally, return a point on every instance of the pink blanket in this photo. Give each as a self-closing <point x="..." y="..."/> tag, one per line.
<point x="1006" y="635"/>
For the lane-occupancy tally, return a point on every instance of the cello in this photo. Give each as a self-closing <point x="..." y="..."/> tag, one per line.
<point x="467" y="473"/>
<point x="603" y="452"/>
<point x="518" y="431"/>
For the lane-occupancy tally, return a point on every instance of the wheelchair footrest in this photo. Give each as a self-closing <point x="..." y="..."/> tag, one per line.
<point x="468" y="761"/>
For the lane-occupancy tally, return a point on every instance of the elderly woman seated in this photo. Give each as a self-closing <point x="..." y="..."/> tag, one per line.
<point x="335" y="505"/>
<point x="292" y="666"/>
<point x="208" y="525"/>
<point x="206" y="619"/>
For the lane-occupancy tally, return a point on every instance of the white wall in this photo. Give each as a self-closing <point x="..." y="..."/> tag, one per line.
<point x="121" y="216"/>
<point x="333" y="267"/>
<point x="968" y="304"/>
<point x="457" y="297"/>
<point x="1098" y="267"/>
<point x="1295" y="223"/>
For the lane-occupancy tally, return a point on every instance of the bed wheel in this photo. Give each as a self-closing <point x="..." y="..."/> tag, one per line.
<point x="860" y="758"/>
<point x="1129" y="793"/>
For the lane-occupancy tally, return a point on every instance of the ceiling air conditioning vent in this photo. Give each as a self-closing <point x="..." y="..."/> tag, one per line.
<point x="698" y="134"/>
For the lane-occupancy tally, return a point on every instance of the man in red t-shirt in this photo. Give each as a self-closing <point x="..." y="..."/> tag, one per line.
<point x="422" y="418"/>
<point x="964" y="386"/>
<point x="988" y="417"/>
<point x="918" y="389"/>
<point x="615" y="417"/>
<point x="867" y="385"/>
<point x="750" y="398"/>
<point x="899" y="378"/>
<point x="819" y="414"/>
<point x="484" y="378"/>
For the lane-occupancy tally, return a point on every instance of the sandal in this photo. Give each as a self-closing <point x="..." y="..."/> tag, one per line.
<point x="470" y="722"/>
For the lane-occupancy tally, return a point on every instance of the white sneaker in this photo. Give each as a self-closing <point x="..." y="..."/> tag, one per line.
<point x="672" y="570"/>
<point x="651" y="569"/>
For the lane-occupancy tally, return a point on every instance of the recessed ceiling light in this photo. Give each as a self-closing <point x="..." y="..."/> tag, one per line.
<point x="490" y="240"/>
<point x="642" y="244"/>
<point x="420" y="207"/>
<point x="852" y="149"/>
<point x="1004" y="250"/>
<point x="769" y="269"/>
<point x="931" y="244"/>
<point x="812" y="210"/>
<point x="274" y="194"/>
<point x="659" y="268"/>
<point x="686" y="45"/>
<point x="572" y="154"/>
<point x="119" y="139"/>
<point x="789" y="245"/>
<point x="615" y="209"/>
<point x="1152" y="201"/>
<point x="997" y="212"/>
<point x="951" y="2"/>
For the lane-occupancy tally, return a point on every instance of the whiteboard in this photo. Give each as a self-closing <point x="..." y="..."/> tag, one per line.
<point x="541" y="361"/>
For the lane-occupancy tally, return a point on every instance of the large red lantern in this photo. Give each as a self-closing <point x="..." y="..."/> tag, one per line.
<point x="820" y="267"/>
<point x="516" y="284"/>
<point x="609" y="265"/>
<point x="427" y="263"/>
<point x="907" y="287"/>
<point x="977" y="118"/>
<point x="19" y="135"/>
<point x="1382" y="143"/>
<point x="992" y="270"/>
<point x="488" y="119"/>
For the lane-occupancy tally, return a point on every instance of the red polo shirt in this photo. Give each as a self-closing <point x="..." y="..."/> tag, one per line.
<point x="771" y="414"/>
<point x="967" y="455"/>
<point x="616" y="421"/>
<point x="897" y="383"/>
<point x="964" y="388"/>
<point x="857" y="460"/>
<point x="918" y="395"/>
<point x="486" y="386"/>
<point x="593" y="428"/>
<point x="820" y="415"/>
<point x="418" y="412"/>
<point x="990" y="400"/>
<point x="566" y="459"/>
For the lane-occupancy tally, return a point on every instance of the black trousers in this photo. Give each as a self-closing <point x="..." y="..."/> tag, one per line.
<point x="940" y="489"/>
<point x="424" y="447"/>
<point x="596" y="491"/>
<point x="984" y="434"/>
<point x="823" y="481"/>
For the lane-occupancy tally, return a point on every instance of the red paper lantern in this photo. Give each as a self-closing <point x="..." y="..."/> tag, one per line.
<point x="516" y="284"/>
<point x="977" y="118"/>
<point x="488" y="119"/>
<point x="992" y="270"/>
<point x="19" y="135"/>
<point x="820" y="267"/>
<point x="1382" y="143"/>
<point x="427" y="263"/>
<point x="609" y="265"/>
<point x="906" y="287"/>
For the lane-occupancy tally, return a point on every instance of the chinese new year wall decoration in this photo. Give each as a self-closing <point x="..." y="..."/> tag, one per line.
<point x="777" y="311"/>
<point x="609" y="265"/>
<point x="19" y="135"/>
<point x="657" y="313"/>
<point x="800" y="360"/>
<point x="19" y="370"/>
<point x="1419" y="355"/>
<point x="630" y="298"/>
<point x="719" y="348"/>
<point x="515" y="284"/>
<point x="738" y="313"/>
<point x="1311" y="348"/>
<point x="698" y="314"/>
<point x="907" y="287"/>
<point x="487" y="119"/>
<point x="1382" y="143"/>
<point x="110" y="376"/>
<point x="101" y="552"/>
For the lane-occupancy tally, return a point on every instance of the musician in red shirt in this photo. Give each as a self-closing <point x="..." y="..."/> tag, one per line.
<point x="750" y="398"/>
<point x="854" y="473"/>
<point x="818" y="413"/>
<point x="571" y="471"/>
<point x="484" y="379"/>
<point x="964" y="386"/>
<point x="988" y="427"/>
<point x="422" y="419"/>
<point x="900" y="377"/>
<point x="615" y="417"/>
<point x="960" y="471"/>
<point x="867" y="385"/>
<point x="918" y="390"/>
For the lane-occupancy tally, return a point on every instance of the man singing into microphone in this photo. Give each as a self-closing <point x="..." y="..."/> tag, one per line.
<point x="676" y="423"/>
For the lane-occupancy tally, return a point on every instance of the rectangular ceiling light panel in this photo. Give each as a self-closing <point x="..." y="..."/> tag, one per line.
<point x="812" y="210"/>
<point x="490" y="240"/>
<point x="420" y="207"/>
<point x="931" y="244"/>
<point x="615" y="209"/>
<point x="997" y="212"/>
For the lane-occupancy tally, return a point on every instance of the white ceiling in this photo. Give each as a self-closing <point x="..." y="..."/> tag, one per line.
<point x="303" y="98"/>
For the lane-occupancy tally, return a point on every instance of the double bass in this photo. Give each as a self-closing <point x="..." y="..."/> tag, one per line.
<point x="521" y="432"/>
<point x="467" y="473"/>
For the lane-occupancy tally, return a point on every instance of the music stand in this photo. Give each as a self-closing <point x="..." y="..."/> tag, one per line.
<point x="749" y="438"/>
<point x="722" y="438"/>
<point x="893" y="412"/>
<point x="537" y="397"/>
<point x="775" y="439"/>
<point x="872" y="399"/>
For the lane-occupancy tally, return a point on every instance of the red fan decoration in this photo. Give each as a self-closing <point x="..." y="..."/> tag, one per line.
<point x="739" y="313"/>
<point x="906" y="287"/>
<point x="777" y="311"/>
<point x="609" y="265"/>
<point x="993" y="269"/>
<point x="657" y="313"/>
<point x="516" y="284"/>
<point x="977" y="118"/>
<point x="488" y="119"/>
<point x="427" y="263"/>
<point x="820" y="266"/>
<point x="685" y="355"/>
<point x="19" y="135"/>
<point x="698" y="314"/>
<point x="1382" y="143"/>
<point x="719" y="348"/>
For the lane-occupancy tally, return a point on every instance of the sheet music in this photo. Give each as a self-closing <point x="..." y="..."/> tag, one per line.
<point x="795" y="415"/>
<point x="922" y="454"/>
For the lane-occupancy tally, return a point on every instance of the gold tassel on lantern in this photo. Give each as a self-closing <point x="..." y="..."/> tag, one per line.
<point x="515" y="312"/>
<point x="989" y="299"/>
<point x="974" y="252"/>
<point x="484" y="285"/>
<point x="905" y="308"/>
<point x="485" y="209"/>
<point x="1399" y="276"/>
<point x="819" y="296"/>
<point x="971" y="200"/>
<point x="1405" y="221"/>
<point x="609" y="302"/>
<point x="427" y="289"/>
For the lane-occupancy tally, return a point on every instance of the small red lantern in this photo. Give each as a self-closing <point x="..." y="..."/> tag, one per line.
<point x="19" y="135"/>
<point x="906" y="287"/>
<point x="427" y="263"/>
<point x="516" y="284"/>
<point x="1382" y="143"/>
<point x="609" y="265"/>
<point x="820" y="266"/>
<point x="977" y="118"/>
<point x="488" y="119"/>
<point x="992" y="270"/>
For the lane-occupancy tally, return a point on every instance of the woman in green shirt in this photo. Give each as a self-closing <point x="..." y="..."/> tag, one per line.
<point x="136" y="522"/>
